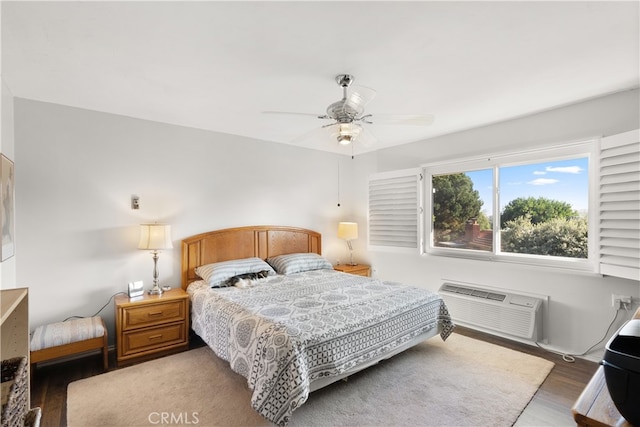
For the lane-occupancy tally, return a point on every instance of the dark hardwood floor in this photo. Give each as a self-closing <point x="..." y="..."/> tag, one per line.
<point x="550" y="406"/>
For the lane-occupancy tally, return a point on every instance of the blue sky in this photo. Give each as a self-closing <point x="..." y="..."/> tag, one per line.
<point x="565" y="180"/>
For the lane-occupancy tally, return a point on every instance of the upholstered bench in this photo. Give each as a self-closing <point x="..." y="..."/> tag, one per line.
<point x="68" y="338"/>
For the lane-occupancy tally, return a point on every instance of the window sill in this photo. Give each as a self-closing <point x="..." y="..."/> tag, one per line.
<point x="581" y="266"/>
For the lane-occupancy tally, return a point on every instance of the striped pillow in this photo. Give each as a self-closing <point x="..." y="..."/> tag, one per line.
<point x="215" y="274"/>
<point x="296" y="263"/>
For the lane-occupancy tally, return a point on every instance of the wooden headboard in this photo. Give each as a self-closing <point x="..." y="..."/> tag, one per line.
<point x="244" y="242"/>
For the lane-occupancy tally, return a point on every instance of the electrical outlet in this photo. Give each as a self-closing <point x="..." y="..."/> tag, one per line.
<point x="618" y="300"/>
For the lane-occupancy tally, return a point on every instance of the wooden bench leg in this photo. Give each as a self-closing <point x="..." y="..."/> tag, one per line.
<point x="105" y="348"/>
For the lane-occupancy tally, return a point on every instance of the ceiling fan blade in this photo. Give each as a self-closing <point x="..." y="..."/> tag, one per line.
<point x="366" y="138"/>
<point x="402" y="119"/>
<point x="360" y="96"/>
<point x="289" y="113"/>
<point x="315" y="135"/>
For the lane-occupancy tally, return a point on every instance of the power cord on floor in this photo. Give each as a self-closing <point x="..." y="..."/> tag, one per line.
<point x="570" y="358"/>
<point x="98" y="312"/>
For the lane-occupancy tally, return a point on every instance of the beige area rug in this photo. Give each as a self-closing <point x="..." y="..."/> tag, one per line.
<point x="460" y="382"/>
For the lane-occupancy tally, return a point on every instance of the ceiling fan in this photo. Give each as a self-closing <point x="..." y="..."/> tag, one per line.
<point x="348" y="116"/>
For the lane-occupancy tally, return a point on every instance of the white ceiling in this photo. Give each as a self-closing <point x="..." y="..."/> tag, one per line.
<point x="220" y="65"/>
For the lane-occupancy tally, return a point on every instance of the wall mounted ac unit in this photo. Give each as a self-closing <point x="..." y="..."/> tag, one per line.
<point x="507" y="313"/>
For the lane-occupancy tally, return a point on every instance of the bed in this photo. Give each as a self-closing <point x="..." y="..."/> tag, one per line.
<point x="304" y="325"/>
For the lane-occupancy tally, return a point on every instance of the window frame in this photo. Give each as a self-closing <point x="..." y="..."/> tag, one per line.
<point x="586" y="149"/>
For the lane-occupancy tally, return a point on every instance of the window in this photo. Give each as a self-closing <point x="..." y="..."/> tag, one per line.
<point x="531" y="207"/>
<point x="474" y="208"/>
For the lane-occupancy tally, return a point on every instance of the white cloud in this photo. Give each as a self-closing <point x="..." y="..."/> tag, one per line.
<point x="543" y="181"/>
<point x="565" y="169"/>
<point x="539" y="173"/>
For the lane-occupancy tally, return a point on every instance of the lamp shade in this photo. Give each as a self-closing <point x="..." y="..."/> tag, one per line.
<point x="348" y="230"/>
<point x="155" y="236"/>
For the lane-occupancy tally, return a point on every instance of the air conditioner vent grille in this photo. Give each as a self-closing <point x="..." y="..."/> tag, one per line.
<point x="478" y="293"/>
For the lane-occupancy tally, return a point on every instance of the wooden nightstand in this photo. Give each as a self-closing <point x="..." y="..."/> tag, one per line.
<point x="151" y="325"/>
<point x="358" y="269"/>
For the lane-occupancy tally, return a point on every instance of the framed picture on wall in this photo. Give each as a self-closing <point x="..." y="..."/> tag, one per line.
<point x="7" y="206"/>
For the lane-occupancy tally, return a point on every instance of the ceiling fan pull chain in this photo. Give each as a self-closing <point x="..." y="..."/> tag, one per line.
<point x="338" y="182"/>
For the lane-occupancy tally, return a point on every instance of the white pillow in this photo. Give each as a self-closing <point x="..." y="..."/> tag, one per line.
<point x="296" y="263"/>
<point x="215" y="274"/>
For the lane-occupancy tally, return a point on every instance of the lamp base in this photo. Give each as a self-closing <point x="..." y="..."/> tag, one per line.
<point x="351" y="258"/>
<point x="155" y="290"/>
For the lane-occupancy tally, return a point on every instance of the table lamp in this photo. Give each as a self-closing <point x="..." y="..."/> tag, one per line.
<point x="155" y="237"/>
<point x="348" y="231"/>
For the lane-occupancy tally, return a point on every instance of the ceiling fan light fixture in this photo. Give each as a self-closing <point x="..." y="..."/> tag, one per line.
<point x="347" y="133"/>
<point x="344" y="139"/>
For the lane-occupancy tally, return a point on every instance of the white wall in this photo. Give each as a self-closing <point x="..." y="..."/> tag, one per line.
<point x="77" y="235"/>
<point x="7" y="147"/>
<point x="580" y="304"/>
<point x="78" y="169"/>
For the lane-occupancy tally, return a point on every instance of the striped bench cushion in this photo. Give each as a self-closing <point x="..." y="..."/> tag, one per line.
<point x="61" y="333"/>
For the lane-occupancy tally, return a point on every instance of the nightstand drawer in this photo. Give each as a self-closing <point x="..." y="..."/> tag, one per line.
<point x="152" y="338"/>
<point x="153" y="314"/>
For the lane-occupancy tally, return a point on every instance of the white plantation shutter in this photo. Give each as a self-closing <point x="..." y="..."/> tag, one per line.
<point x="619" y="192"/>
<point x="394" y="203"/>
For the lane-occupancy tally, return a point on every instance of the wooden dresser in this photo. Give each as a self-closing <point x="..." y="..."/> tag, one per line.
<point x="151" y="325"/>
